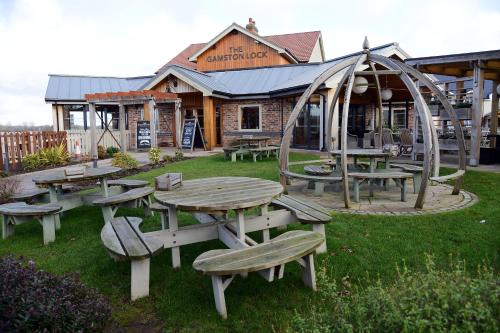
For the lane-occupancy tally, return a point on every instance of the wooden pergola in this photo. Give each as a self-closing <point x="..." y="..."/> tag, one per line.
<point x="480" y="66"/>
<point x="146" y="97"/>
<point x="408" y="75"/>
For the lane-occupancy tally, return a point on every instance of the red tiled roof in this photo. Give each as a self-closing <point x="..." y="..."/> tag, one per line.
<point x="300" y="45"/>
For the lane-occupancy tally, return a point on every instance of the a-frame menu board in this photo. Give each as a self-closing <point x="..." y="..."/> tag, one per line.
<point x="190" y="130"/>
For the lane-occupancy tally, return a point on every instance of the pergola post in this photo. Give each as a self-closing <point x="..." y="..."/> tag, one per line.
<point x="152" y="119"/>
<point x="93" y="135"/>
<point x="121" y="122"/>
<point x="477" y="113"/>
<point x="178" y="125"/>
<point x="494" y="115"/>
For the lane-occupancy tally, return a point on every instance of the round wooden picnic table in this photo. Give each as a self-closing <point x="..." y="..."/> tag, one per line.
<point x="372" y="154"/>
<point x="220" y="194"/>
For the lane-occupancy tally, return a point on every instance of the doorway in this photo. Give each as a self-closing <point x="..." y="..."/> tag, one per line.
<point x="307" y="129"/>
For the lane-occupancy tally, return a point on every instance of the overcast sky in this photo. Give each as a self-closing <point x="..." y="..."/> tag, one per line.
<point x="129" y="38"/>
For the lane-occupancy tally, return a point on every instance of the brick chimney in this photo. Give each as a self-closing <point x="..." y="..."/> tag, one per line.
<point x="251" y="26"/>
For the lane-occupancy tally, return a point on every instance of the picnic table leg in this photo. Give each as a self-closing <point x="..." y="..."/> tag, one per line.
<point x="355" y="189"/>
<point x="417" y="180"/>
<point x="233" y="157"/>
<point x="220" y="301"/>
<point x="240" y="225"/>
<point x="308" y="273"/>
<point x="104" y="186"/>
<point x="53" y="199"/>
<point x="403" y="189"/>
<point x="265" y="233"/>
<point x="139" y="278"/>
<point x="320" y="227"/>
<point x="49" y="229"/>
<point x="7" y="227"/>
<point x="387" y="166"/>
<point x="173" y="226"/>
<point x="319" y="188"/>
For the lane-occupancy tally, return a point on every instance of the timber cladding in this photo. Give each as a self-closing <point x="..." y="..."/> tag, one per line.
<point x="236" y="50"/>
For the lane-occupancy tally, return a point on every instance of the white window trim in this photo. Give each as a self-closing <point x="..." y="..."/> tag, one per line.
<point x="240" y="107"/>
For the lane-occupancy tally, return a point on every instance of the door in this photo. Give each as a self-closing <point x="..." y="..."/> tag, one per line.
<point x="307" y="129"/>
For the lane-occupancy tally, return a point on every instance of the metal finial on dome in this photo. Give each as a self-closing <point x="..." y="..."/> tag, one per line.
<point x="366" y="44"/>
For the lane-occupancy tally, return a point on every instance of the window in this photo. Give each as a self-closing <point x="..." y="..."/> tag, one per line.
<point x="75" y="116"/>
<point x="399" y="118"/>
<point x="249" y="118"/>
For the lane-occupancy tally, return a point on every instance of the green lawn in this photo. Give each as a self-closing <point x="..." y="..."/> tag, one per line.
<point x="364" y="248"/>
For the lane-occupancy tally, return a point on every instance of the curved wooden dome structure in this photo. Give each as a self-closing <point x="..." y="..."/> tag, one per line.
<point x="407" y="74"/>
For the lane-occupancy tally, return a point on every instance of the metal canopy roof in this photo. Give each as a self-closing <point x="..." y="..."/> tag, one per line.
<point x="460" y="65"/>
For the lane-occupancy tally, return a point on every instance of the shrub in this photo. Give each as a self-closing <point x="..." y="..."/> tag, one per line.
<point x="8" y="186"/>
<point x="435" y="300"/>
<point x="179" y="155"/>
<point x="124" y="161"/>
<point x="54" y="156"/>
<point x="168" y="158"/>
<point x="32" y="162"/>
<point x="111" y="151"/>
<point x="154" y="155"/>
<point x="101" y="152"/>
<point x="32" y="300"/>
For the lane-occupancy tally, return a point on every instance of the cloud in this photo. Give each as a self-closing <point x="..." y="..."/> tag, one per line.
<point x="127" y="38"/>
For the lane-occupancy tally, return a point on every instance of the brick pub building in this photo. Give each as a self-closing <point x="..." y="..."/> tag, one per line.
<point x="238" y="83"/>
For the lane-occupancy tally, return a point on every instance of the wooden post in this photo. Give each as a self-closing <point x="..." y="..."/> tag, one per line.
<point x="152" y="119"/>
<point x="93" y="135"/>
<point x="121" y="122"/>
<point x="178" y="126"/>
<point x="209" y="121"/>
<point x="477" y="112"/>
<point x="494" y="115"/>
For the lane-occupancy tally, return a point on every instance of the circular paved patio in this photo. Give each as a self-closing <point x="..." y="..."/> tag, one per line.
<point x="439" y="199"/>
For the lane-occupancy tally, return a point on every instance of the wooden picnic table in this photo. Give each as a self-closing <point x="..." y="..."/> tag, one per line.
<point x="218" y="195"/>
<point x="371" y="154"/>
<point x="260" y="141"/>
<point x="54" y="180"/>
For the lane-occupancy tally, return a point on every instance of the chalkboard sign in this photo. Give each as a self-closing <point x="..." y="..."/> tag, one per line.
<point x="188" y="133"/>
<point x="143" y="135"/>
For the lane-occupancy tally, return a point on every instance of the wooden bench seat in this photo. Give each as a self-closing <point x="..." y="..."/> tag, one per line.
<point x="319" y="181"/>
<point x="128" y="184"/>
<point x="20" y="212"/>
<point x="415" y="170"/>
<point x="224" y="265"/>
<point x="259" y="151"/>
<point x="306" y="212"/>
<point x="233" y="152"/>
<point x="32" y="194"/>
<point x="458" y="176"/>
<point x="357" y="177"/>
<point x="317" y="170"/>
<point x="123" y="240"/>
<point x="138" y="197"/>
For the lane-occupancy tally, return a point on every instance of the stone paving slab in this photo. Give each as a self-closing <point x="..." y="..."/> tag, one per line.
<point x="438" y="199"/>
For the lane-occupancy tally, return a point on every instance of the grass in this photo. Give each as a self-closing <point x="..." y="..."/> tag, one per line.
<point x="362" y="249"/>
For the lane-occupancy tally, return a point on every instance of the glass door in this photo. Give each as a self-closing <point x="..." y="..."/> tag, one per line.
<point x="307" y="126"/>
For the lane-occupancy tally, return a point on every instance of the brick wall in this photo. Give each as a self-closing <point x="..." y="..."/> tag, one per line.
<point x="271" y="119"/>
<point x="166" y="131"/>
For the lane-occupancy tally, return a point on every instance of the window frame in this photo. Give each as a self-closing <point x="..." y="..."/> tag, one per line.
<point x="240" y="116"/>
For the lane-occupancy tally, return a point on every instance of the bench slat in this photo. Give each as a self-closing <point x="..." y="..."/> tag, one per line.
<point x="288" y="247"/>
<point x="30" y="194"/>
<point x="152" y="244"/>
<point x="305" y="212"/>
<point x="311" y="177"/>
<point x="23" y="209"/>
<point x="407" y="167"/>
<point x="111" y="241"/>
<point x="129" y="239"/>
<point x="443" y="179"/>
<point x="316" y="170"/>
<point x="130" y="195"/>
<point x="128" y="183"/>
<point x="380" y="175"/>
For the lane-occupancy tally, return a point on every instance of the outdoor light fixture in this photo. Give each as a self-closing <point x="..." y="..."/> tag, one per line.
<point x="386" y="94"/>
<point x="498" y="89"/>
<point x="360" y="85"/>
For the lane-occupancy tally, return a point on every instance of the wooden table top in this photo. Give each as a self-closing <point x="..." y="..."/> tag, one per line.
<point x="362" y="153"/>
<point x="255" y="138"/>
<point x="221" y="194"/>
<point x="58" y="177"/>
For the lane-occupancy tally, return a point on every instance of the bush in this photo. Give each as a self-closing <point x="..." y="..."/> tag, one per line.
<point x="179" y="155"/>
<point x="32" y="300"/>
<point x="8" y="187"/>
<point x="32" y="162"/>
<point x="111" y="151"/>
<point x="168" y="158"/>
<point x="154" y="155"/>
<point x="124" y="161"/>
<point x="101" y="152"/>
<point x="435" y="300"/>
<point x="54" y="156"/>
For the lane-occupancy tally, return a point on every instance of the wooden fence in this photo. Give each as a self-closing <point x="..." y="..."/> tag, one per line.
<point x="83" y="138"/>
<point x="15" y="145"/>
